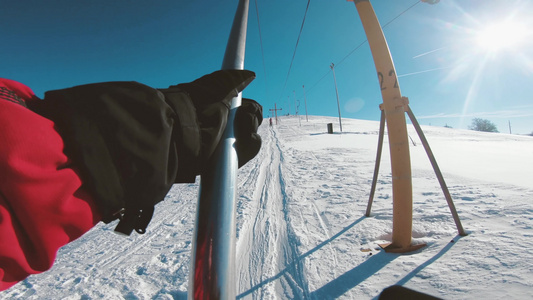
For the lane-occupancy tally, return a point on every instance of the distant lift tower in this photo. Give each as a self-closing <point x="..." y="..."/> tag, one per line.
<point x="275" y="110"/>
<point x="393" y="111"/>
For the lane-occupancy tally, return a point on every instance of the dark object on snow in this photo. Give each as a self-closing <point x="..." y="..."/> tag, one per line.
<point x="398" y="292"/>
<point x="132" y="142"/>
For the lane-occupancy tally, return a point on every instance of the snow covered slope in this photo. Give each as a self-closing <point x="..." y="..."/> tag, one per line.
<point x="301" y="229"/>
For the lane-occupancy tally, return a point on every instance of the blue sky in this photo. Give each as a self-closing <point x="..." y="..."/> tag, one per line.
<point x="449" y="76"/>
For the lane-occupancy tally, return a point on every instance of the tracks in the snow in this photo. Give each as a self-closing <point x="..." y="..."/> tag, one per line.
<point x="268" y="248"/>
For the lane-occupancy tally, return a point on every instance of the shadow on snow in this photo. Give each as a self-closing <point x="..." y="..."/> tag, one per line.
<point x="300" y="258"/>
<point x="355" y="276"/>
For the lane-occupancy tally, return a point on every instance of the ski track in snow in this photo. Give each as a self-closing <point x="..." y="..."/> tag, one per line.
<point x="301" y="229"/>
<point x="104" y="265"/>
<point x="266" y="246"/>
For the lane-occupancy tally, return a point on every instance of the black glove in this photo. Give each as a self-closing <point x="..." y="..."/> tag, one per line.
<point x="205" y="113"/>
<point x="131" y="142"/>
<point x="247" y="119"/>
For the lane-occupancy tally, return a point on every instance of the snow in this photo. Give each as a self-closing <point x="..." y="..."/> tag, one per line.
<point x="301" y="228"/>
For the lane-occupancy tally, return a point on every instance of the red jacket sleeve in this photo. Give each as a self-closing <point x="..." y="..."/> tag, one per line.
<point x="42" y="203"/>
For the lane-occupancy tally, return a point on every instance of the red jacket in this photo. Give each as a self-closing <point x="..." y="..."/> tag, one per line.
<point x="125" y="139"/>
<point x="42" y="203"/>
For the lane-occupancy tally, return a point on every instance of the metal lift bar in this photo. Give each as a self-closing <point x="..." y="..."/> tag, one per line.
<point x="212" y="274"/>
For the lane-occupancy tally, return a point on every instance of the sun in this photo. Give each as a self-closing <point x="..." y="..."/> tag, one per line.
<point x="505" y="35"/>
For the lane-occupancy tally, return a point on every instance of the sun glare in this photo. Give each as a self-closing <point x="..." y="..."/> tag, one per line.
<point x="501" y="36"/>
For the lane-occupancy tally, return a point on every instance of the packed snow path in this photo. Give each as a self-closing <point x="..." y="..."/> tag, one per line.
<point x="301" y="233"/>
<point x="267" y="247"/>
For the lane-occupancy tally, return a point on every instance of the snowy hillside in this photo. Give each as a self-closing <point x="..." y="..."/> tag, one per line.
<point x="302" y="233"/>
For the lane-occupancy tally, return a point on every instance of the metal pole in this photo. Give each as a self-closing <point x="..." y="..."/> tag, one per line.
<point x="276" y="112"/>
<point x="212" y="274"/>
<point x="295" y="104"/>
<point x="337" y="93"/>
<point x="378" y="161"/>
<point x="394" y="108"/>
<point x="436" y="168"/>
<point x="305" y="101"/>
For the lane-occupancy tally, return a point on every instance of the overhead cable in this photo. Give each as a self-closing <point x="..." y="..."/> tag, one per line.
<point x="361" y="44"/>
<point x="296" y="47"/>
